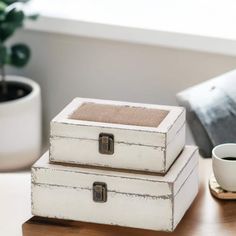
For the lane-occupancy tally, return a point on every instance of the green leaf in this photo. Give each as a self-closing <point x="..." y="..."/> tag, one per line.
<point x="2" y="11"/>
<point x="33" y="16"/>
<point x="2" y="6"/>
<point x="20" y="55"/>
<point x="6" y="30"/>
<point x="3" y="54"/>
<point x="2" y="16"/>
<point x="15" y="16"/>
<point x="9" y="2"/>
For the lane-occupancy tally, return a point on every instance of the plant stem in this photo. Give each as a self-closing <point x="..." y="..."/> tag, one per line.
<point x="3" y="80"/>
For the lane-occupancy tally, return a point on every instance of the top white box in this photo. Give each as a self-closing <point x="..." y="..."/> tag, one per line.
<point x="121" y="135"/>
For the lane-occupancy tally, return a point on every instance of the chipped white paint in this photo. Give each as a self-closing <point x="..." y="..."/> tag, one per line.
<point x="134" y="200"/>
<point x="151" y="149"/>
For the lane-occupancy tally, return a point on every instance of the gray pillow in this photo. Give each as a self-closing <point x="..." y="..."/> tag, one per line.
<point x="211" y="111"/>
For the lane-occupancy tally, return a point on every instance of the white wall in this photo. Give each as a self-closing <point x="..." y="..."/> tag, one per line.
<point x="67" y="66"/>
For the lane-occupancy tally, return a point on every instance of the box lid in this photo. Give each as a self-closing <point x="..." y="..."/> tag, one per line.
<point x="134" y="123"/>
<point x="44" y="173"/>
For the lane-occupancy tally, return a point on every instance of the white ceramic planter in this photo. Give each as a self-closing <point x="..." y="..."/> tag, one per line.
<point x="20" y="128"/>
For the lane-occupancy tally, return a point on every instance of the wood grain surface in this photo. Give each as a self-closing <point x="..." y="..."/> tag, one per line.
<point x="218" y="192"/>
<point x="207" y="216"/>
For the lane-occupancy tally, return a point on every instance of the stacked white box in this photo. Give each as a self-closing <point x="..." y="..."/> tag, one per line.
<point x="86" y="180"/>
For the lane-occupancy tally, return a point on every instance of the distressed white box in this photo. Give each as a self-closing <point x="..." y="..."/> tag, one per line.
<point x="133" y="200"/>
<point x="146" y="137"/>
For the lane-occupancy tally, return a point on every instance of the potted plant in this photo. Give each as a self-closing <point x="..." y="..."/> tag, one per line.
<point x="20" y="99"/>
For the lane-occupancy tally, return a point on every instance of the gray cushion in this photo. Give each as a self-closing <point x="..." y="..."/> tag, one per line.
<point x="211" y="111"/>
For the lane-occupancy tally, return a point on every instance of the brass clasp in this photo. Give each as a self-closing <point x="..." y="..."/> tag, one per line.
<point x="99" y="192"/>
<point x="106" y="143"/>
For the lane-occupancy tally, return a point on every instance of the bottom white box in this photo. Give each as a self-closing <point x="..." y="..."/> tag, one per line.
<point x="133" y="200"/>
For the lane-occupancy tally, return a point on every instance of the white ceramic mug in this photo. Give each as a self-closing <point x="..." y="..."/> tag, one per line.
<point x="225" y="170"/>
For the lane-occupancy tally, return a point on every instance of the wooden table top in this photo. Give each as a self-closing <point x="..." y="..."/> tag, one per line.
<point x="207" y="216"/>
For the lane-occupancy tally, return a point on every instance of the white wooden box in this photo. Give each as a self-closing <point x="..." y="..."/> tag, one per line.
<point x="133" y="200"/>
<point x="146" y="137"/>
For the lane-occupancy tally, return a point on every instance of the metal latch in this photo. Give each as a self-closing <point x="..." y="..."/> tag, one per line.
<point x="106" y="143"/>
<point x="99" y="192"/>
